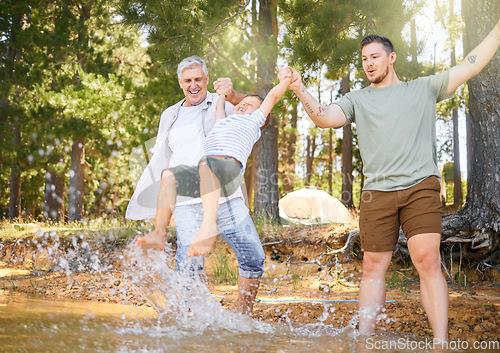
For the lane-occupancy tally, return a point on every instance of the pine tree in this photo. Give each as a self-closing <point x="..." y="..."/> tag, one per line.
<point x="478" y="223"/>
<point x="92" y="94"/>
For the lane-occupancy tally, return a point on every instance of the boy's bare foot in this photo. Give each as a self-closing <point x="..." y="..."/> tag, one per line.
<point x="154" y="240"/>
<point x="204" y="242"/>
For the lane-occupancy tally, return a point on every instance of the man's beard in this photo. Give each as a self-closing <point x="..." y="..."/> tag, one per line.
<point x="381" y="77"/>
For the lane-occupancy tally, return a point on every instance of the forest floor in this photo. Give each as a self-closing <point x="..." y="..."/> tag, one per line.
<point x="302" y="283"/>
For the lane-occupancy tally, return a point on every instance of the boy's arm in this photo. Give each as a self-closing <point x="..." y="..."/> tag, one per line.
<point x="220" y="108"/>
<point x="331" y="116"/>
<point x="274" y="95"/>
<point x="475" y="61"/>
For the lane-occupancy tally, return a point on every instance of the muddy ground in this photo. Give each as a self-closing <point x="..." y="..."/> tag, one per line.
<point x="302" y="283"/>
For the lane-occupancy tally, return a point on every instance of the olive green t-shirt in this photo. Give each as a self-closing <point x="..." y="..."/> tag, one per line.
<point x="396" y="128"/>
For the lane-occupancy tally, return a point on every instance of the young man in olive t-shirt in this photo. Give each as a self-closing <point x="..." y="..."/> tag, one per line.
<point x="395" y="121"/>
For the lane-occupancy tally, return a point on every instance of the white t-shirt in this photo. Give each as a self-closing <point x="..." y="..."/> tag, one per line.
<point x="186" y="137"/>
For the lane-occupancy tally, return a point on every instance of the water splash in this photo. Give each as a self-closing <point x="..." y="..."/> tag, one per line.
<point x="181" y="300"/>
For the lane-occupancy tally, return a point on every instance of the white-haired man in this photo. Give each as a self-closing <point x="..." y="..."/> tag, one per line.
<point x="180" y="141"/>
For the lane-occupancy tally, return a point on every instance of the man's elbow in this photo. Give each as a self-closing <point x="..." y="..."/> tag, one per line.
<point x="325" y="124"/>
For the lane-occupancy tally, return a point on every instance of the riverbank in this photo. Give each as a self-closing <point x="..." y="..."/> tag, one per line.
<point x="303" y="283"/>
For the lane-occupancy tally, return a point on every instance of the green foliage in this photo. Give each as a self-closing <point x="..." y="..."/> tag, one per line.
<point x="122" y="230"/>
<point x="87" y="70"/>
<point x="224" y="270"/>
<point x="328" y="32"/>
<point x="266" y="226"/>
<point x="450" y="191"/>
<point x="179" y="28"/>
<point x="103" y="91"/>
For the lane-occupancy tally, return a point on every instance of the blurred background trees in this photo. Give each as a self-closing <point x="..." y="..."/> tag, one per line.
<point x="83" y="84"/>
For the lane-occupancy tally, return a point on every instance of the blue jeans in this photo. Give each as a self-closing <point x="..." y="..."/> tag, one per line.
<point x="236" y="227"/>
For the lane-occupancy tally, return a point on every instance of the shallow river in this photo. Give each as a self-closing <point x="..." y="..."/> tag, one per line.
<point x="186" y="318"/>
<point x="36" y="324"/>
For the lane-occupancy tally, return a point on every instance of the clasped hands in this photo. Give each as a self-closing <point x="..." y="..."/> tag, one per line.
<point x="224" y="85"/>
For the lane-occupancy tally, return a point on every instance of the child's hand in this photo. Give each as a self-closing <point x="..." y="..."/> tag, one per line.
<point x="285" y="73"/>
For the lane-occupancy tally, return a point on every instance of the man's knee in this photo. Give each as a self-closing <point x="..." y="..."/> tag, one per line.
<point x="425" y="253"/>
<point x="376" y="264"/>
<point x="428" y="263"/>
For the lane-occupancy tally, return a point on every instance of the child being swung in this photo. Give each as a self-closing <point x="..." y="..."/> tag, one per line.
<point x="227" y="148"/>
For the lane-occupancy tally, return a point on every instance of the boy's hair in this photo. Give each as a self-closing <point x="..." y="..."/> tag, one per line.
<point x="189" y="62"/>
<point x="256" y="96"/>
<point x="373" y="38"/>
<point x="268" y="117"/>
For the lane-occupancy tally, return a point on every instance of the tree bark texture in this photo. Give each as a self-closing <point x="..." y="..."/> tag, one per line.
<point x="346" y="155"/>
<point x="310" y="150"/>
<point x="288" y="175"/>
<point x="457" y="182"/>
<point x="76" y="177"/>
<point x="479" y="221"/>
<point x="75" y="199"/>
<point x="266" y="177"/>
<point x="15" y="175"/>
<point x="53" y="203"/>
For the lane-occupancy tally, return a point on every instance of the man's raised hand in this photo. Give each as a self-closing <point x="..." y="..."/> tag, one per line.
<point x="296" y="83"/>
<point x="224" y="85"/>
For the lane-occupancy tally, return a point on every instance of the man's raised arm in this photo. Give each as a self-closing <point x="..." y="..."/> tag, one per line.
<point x="331" y="116"/>
<point x="475" y="60"/>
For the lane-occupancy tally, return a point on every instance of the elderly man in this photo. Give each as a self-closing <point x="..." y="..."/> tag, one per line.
<point x="180" y="140"/>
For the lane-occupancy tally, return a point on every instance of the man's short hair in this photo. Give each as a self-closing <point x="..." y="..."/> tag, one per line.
<point x="189" y="62"/>
<point x="373" y="38"/>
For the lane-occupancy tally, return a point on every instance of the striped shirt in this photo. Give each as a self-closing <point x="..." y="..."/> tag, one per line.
<point x="235" y="135"/>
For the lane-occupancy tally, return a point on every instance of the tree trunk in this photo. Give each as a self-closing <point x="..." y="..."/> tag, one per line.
<point x="249" y="176"/>
<point x="15" y="175"/>
<point x="457" y="182"/>
<point x="457" y="174"/>
<point x="346" y="155"/>
<point x="53" y="200"/>
<point x="478" y="223"/>
<point x="288" y="176"/>
<point x="14" y="52"/>
<point x="310" y="150"/>
<point x="266" y="177"/>
<point x="75" y="200"/>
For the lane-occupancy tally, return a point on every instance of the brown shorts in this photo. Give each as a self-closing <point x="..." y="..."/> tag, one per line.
<point x="416" y="210"/>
